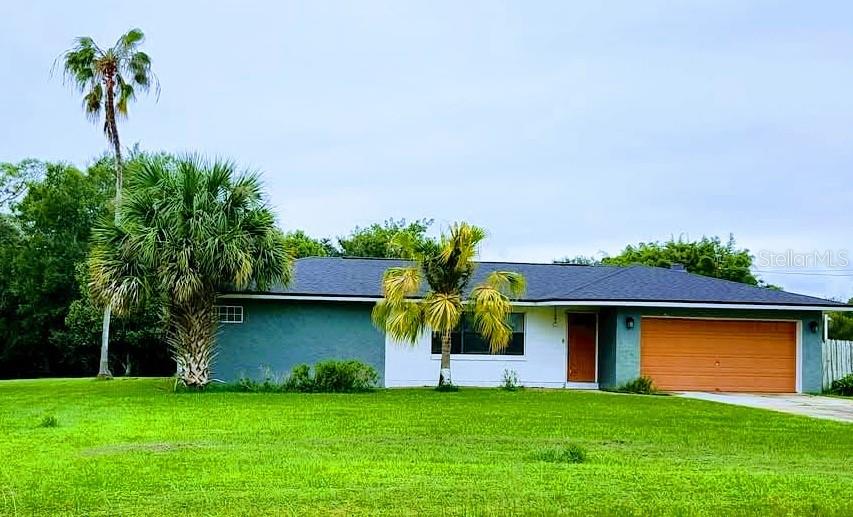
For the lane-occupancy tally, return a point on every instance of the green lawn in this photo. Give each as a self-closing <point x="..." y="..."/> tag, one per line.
<point x="130" y="447"/>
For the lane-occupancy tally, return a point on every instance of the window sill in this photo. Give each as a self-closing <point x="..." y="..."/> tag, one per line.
<point x="480" y="357"/>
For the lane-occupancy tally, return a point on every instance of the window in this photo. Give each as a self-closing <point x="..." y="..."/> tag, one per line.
<point x="230" y="313"/>
<point x="468" y="341"/>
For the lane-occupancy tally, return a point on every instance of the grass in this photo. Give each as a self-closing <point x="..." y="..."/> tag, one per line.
<point x="131" y="447"/>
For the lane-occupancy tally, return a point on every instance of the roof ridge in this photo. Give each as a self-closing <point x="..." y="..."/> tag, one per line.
<point x="522" y="263"/>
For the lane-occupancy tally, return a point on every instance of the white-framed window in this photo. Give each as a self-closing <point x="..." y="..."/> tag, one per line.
<point x="465" y="340"/>
<point x="230" y="313"/>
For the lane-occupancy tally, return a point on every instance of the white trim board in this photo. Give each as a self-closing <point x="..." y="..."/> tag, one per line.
<point x="566" y="303"/>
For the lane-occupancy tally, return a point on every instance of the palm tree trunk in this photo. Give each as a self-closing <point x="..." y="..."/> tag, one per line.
<point x="112" y="134"/>
<point x="191" y="335"/>
<point x="444" y="375"/>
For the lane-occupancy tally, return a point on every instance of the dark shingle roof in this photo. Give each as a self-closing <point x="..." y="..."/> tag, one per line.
<point x="361" y="277"/>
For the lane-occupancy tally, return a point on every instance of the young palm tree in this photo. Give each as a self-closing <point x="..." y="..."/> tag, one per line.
<point x="446" y="267"/>
<point x="109" y="79"/>
<point x="188" y="230"/>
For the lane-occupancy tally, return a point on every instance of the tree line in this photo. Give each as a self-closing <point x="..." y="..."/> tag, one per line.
<point x="50" y="325"/>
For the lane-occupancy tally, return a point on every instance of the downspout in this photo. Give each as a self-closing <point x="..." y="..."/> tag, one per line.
<point x="826" y="320"/>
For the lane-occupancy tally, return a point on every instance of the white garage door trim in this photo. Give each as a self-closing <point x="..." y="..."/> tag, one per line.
<point x="798" y="384"/>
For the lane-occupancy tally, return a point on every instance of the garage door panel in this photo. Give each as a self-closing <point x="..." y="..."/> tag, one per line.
<point x="719" y="355"/>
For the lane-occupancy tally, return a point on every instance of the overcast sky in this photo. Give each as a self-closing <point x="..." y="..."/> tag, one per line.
<point x="564" y="128"/>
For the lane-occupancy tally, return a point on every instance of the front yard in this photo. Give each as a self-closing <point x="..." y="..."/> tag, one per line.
<point x="130" y="447"/>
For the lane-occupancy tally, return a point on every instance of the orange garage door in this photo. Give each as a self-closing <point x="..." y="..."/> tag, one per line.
<point x="719" y="355"/>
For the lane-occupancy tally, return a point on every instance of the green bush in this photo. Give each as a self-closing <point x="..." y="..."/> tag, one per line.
<point x="344" y="376"/>
<point x="640" y="385"/>
<point x="843" y="386"/>
<point x="571" y="453"/>
<point x="328" y="377"/>
<point x="300" y="379"/>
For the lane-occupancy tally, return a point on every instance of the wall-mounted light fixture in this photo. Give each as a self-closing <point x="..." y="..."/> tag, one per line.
<point x="813" y="325"/>
<point x="629" y="322"/>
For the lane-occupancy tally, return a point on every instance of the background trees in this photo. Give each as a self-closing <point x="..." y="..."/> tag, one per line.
<point x="709" y="256"/>
<point x="44" y="238"/>
<point x="374" y="240"/>
<point x="841" y="324"/>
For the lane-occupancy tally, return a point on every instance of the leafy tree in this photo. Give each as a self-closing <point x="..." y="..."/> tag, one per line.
<point x="376" y="239"/>
<point x="841" y="324"/>
<point x="109" y="79"/>
<point x="299" y="244"/>
<point x="189" y="229"/>
<point x="707" y="256"/>
<point x="48" y="234"/>
<point x="14" y="178"/>
<point x="446" y="268"/>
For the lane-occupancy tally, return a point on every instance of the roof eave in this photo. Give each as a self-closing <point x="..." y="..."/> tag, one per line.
<point x="571" y="303"/>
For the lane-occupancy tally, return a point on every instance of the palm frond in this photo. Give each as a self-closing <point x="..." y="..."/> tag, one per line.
<point x="399" y="283"/>
<point x="126" y="94"/>
<point x="491" y="309"/>
<point x="442" y="311"/>
<point x="460" y="246"/>
<point x="92" y="102"/>
<point x="405" y="321"/>
<point x="508" y="283"/>
<point x="130" y="39"/>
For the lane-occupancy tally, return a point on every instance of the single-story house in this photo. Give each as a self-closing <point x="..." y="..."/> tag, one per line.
<point x="576" y="326"/>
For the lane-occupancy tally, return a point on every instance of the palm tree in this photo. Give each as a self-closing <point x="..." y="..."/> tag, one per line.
<point x="109" y="79"/>
<point x="189" y="229"/>
<point x="446" y="266"/>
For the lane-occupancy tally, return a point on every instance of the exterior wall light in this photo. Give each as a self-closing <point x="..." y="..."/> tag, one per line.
<point x="813" y="325"/>
<point x="629" y="322"/>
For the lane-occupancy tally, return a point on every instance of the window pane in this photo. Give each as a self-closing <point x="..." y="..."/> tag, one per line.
<point x="455" y="343"/>
<point x="516" y="321"/>
<point x="516" y="345"/>
<point x="473" y="343"/>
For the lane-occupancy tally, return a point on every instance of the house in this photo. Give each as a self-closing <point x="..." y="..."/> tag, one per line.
<point x="576" y="326"/>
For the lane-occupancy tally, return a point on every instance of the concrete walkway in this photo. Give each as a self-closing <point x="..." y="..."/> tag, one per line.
<point x="815" y="406"/>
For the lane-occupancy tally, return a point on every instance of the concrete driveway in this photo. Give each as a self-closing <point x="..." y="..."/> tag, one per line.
<point x="815" y="406"/>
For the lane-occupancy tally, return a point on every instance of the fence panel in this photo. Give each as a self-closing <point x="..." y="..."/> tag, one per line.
<point x="837" y="360"/>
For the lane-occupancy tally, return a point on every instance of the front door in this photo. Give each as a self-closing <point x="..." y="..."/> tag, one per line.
<point x="582" y="338"/>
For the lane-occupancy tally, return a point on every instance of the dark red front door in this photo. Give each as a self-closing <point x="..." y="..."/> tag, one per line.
<point x="582" y="329"/>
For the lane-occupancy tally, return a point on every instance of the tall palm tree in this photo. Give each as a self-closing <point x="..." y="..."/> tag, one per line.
<point x="446" y="267"/>
<point x="189" y="229"/>
<point x="109" y="79"/>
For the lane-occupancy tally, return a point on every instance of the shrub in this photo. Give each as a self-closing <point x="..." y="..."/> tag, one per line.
<point x="640" y="385"/>
<point x="510" y="380"/>
<point x="49" y="421"/>
<point x="299" y="379"/>
<point x="328" y="377"/>
<point x="344" y="376"/>
<point x="571" y="453"/>
<point x="843" y="386"/>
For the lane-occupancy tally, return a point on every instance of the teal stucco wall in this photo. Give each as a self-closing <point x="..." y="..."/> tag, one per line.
<point x="276" y="335"/>
<point x="619" y="347"/>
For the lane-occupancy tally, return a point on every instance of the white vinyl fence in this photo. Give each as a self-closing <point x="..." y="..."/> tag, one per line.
<point x="837" y="360"/>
